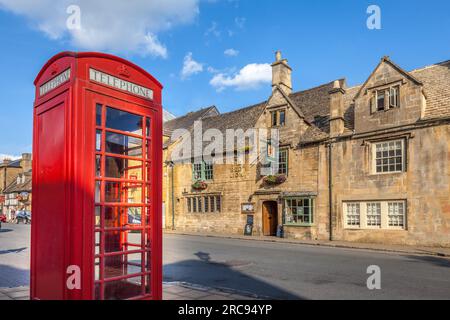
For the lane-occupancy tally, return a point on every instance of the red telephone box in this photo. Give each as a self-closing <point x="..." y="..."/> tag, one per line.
<point x="97" y="167"/>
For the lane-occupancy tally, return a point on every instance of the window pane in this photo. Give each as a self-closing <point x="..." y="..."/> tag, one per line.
<point x="148" y="125"/>
<point x="97" y="220"/>
<point x="123" y="121"/>
<point x="98" y="115"/>
<point x="97" y="191"/>
<point x="396" y="214"/>
<point x="389" y="157"/>
<point x="97" y="268"/>
<point x="123" y="168"/>
<point x="123" y="192"/>
<point x="98" y="140"/>
<point x="119" y="217"/>
<point x="123" y="145"/>
<point x="119" y="241"/>
<point x="98" y="162"/>
<point x="374" y="214"/>
<point x="134" y="215"/>
<point x="123" y="289"/>
<point x="282" y="118"/>
<point x="380" y="102"/>
<point x="189" y="207"/>
<point x="97" y="242"/>
<point x="209" y="171"/>
<point x="218" y="204"/>
<point x="197" y="171"/>
<point x="353" y="214"/>
<point x="274" y="119"/>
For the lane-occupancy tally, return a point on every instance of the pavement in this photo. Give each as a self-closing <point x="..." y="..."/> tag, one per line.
<point x="233" y="267"/>
<point x="171" y="291"/>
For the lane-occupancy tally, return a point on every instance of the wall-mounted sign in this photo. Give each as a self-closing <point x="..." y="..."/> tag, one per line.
<point x="120" y="84"/>
<point x="248" y="208"/>
<point x="236" y="172"/>
<point x="55" y="82"/>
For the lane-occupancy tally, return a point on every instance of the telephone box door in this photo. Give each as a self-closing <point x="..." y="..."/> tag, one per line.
<point x="123" y="193"/>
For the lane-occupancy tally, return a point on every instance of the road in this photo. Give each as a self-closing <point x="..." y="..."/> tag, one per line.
<point x="276" y="270"/>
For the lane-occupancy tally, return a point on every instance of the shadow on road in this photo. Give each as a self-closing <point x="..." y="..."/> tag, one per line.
<point x="204" y="272"/>
<point x="440" y="262"/>
<point x="5" y="230"/>
<point x="12" y="277"/>
<point x="13" y="250"/>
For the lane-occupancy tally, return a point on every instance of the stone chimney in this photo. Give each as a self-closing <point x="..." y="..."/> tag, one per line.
<point x="281" y="74"/>
<point x="337" y="109"/>
<point x="25" y="162"/>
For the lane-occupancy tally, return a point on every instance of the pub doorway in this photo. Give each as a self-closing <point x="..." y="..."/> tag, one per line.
<point x="270" y="218"/>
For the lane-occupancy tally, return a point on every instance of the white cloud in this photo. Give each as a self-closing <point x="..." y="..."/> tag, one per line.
<point x="155" y="47"/>
<point x="231" y="52"/>
<point x="252" y="76"/>
<point x="213" y="30"/>
<point x="8" y="156"/>
<point x="117" y="25"/>
<point x="190" y="66"/>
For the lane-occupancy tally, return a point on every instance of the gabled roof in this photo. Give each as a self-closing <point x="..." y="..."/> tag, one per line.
<point x="244" y="119"/>
<point x="436" y="85"/>
<point x="314" y="104"/>
<point x="290" y="102"/>
<point x="14" y="187"/>
<point x="12" y="164"/>
<point x="387" y="60"/>
<point x="187" y="121"/>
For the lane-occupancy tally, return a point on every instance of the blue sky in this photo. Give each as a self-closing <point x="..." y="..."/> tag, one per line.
<point x="323" y="41"/>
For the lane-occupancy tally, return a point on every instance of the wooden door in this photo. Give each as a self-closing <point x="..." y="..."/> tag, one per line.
<point x="270" y="218"/>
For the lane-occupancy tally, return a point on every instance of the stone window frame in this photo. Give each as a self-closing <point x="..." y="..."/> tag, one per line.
<point x="275" y="118"/>
<point x="353" y="217"/>
<point x="286" y="163"/>
<point x="373" y="153"/>
<point x="387" y="89"/>
<point x="385" y="215"/>
<point x="204" y="203"/>
<point x="203" y="171"/>
<point x="312" y="204"/>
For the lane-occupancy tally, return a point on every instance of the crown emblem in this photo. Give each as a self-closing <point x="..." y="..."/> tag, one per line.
<point x="123" y="71"/>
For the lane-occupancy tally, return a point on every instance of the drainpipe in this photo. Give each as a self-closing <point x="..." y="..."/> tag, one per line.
<point x="330" y="188"/>
<point x="171" y="164"/>
<point x="173" y="198"/>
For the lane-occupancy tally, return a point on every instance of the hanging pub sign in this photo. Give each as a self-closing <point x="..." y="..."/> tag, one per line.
<point x="247" y="208"/>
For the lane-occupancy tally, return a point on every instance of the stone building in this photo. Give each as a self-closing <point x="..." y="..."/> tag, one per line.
<point x="18" y="194"/>
<point x="369" y="163"/>
<point x="9" y="172"/>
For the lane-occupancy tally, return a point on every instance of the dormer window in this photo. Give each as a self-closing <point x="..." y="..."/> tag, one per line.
<point x="394" y="97"/>
<point x="278" y="118"/>
<point x="381" y="100"/>
<point x="386" y="99"/>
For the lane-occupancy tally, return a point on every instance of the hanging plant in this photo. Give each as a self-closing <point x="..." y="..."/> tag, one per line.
<point x="199" y="185"/>
<point x="275" y="179"/>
